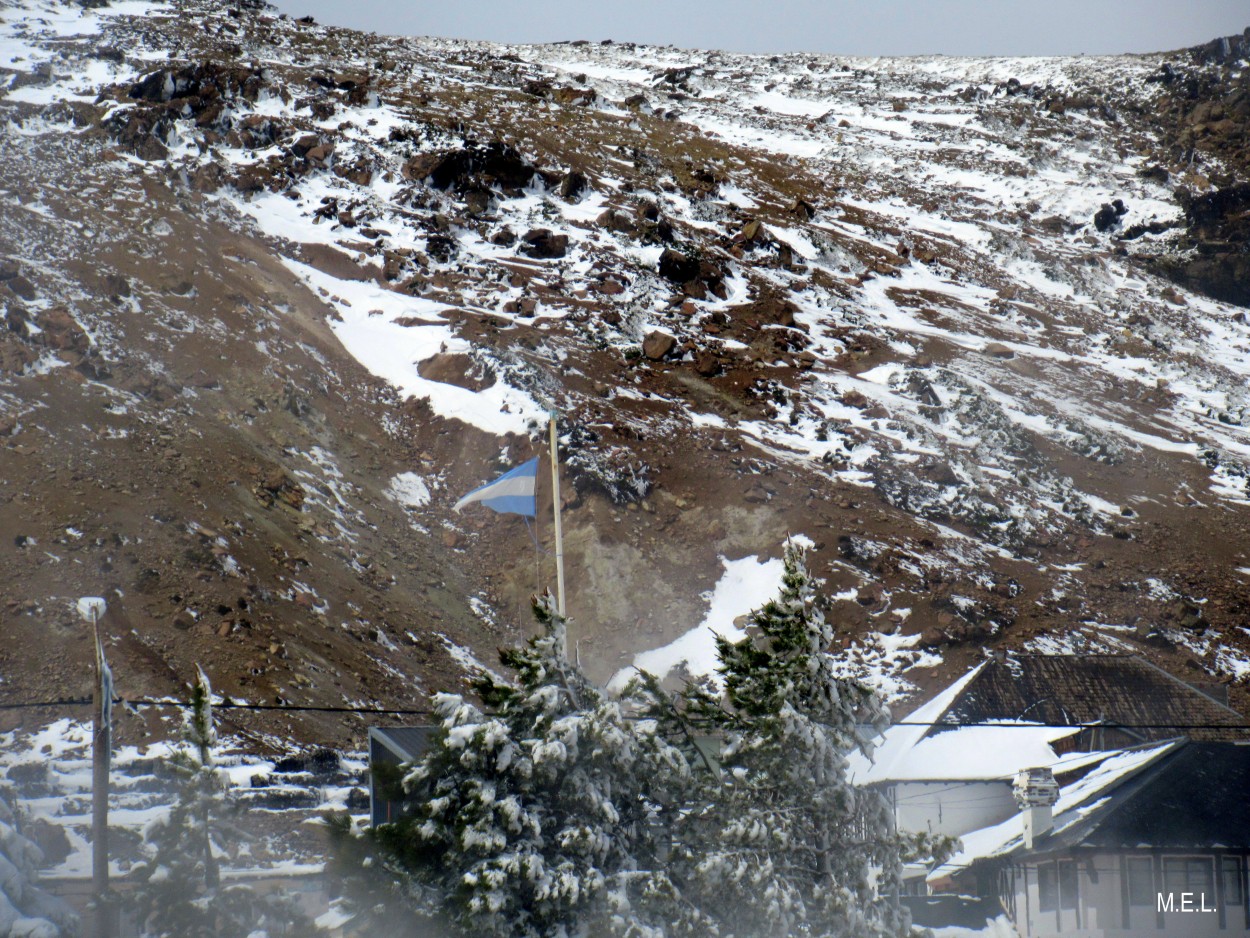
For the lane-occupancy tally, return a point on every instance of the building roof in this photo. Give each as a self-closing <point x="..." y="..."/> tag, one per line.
<point x="406" y="743"/>
<point x="1195" y="797"/>
<point x="1120" y="689"/>
<point x="1022" y="707"/>
<point x="1077" y="802"/>
<point x="971" y="753"/>
<point x="892" y="752"/>
<point x="1182" y="795"/>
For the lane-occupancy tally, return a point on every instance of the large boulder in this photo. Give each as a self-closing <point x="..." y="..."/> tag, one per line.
<point x="613" y="220"/>
<point x="15" y="356"/>
<point x="21" y="287"/>
<point x="457" y="369"/>
<point x="473" y="165"/>
<point x="542" y="243"/>
<point x="658" y="345"/>
<point x="571" y="185"/>
<point x="1109" y="215"/>
<point x="200" y="84"/>
<point x="678" y="267"/>
<point x="706" y="364"/>
<point x="145" y="132"/>
<point x="61" y="331"/>
<point x="1218" y="223"/>
<point x="304" y="143"/>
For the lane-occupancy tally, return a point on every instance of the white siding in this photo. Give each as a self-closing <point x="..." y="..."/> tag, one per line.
<point x="1100" y="905"/>
<point x="953" y="808"/>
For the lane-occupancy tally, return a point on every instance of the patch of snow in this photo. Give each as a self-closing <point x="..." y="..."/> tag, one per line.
<point x="410" y="490"/>
<point x="745" y="585"/>
<point x="466" y="659"/>
<point x="392" y="351"/>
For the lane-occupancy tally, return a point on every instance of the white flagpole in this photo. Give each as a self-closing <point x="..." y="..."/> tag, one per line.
<point x="92" y="607"/>
<point x="555" y="500"/>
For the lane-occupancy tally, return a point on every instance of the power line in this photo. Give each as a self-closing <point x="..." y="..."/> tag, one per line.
<point x="238" y="705"/>
<point x="1097" y="725"/>
<point x="219" y="705"/>
<point x="426" y="711"/>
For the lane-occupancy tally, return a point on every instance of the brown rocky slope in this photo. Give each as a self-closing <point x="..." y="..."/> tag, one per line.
<point x="866" y="302"/>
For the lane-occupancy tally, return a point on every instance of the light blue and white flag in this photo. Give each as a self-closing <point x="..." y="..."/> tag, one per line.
<point x="511" y="493"/>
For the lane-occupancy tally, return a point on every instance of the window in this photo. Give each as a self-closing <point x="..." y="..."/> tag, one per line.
<point x="1141" y="881"/>
<point x="1230" y="870"/>
<point x="1067" y="884"/>
<point x="1047" y="888"/>
<point x="1190" y="874"/>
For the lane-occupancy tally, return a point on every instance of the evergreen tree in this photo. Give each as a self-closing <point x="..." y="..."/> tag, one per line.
<point x="25" y="909"/>
<point x="180" y="892"/>
<point x="724" y="811"/>
<point x="783" y="844"/>
<point x="543" y="814"/>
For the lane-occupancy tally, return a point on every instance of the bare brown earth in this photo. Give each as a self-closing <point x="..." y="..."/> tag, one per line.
<point x="207" y="456"/>
<point x="184" y="454"/>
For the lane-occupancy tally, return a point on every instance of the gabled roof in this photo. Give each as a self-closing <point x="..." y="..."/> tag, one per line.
<point x="1181" y="795"/>
<point x="1076" y="802"/>
<point x="895" y="745"/>
<point x="1196" y="797"/>
<point x="973" y="753"/>
<point x="1118" y="689"/>
<point x="1024" y="702"/>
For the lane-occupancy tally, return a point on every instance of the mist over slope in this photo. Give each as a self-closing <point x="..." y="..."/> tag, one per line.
<point x="277" y="294"/>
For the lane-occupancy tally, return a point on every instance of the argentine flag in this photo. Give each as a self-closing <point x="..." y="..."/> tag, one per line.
<point x="511" y="493"/>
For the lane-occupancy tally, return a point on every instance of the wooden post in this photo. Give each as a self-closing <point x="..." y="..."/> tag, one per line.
<point x="555" y="500"/>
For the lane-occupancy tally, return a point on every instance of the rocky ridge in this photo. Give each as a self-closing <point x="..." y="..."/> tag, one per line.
<point x="276" y="294"/>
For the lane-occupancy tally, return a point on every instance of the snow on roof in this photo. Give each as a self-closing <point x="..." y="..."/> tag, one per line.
<point x="1076" y="801"/>
<point x="974" y="752"/>
<point x="1080" y="760"/>
<point x="931" y="746"/>
<point x="898" y="741"/>
<point x="335" y="917"/>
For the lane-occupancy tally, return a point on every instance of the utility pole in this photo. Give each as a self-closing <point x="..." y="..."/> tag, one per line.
<point x="91" y="608"/>
<point x="555" y="499"/>
<point x="555" y="507"/>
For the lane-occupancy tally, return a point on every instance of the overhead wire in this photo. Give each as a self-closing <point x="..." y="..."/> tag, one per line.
<point x="228" y="704"/>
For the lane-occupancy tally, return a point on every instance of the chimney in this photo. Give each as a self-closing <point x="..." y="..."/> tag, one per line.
<point x="1036" y="792"/>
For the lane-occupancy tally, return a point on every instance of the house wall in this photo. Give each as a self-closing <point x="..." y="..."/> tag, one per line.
<point x="1103" y="906"/>
<point x="381" y="811"/>
<point x="952" y="808"/>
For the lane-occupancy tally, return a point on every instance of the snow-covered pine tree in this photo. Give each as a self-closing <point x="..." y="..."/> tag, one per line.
<point x="541" y="816"/>
<point x="179" y="893"/>
<point x="25" y="909"/>
<point x="784" y="844"/>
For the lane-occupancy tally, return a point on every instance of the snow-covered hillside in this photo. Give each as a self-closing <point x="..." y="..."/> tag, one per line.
<point x="910" y="309"/>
